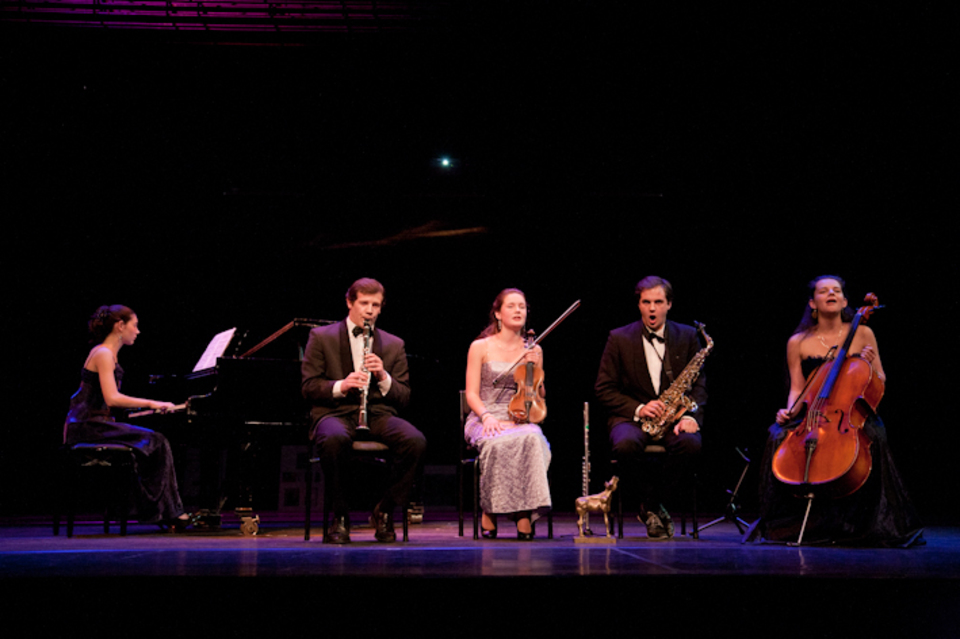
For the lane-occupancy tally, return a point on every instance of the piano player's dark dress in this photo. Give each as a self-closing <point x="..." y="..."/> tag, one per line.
<point x="88" y="421"/>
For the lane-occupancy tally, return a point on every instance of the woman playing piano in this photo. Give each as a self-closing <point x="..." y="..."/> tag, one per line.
<point x="89" y="420"/>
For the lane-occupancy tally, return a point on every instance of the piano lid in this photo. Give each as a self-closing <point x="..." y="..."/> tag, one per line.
<point x="296" y="323"/>
<point x="216" y="350"/>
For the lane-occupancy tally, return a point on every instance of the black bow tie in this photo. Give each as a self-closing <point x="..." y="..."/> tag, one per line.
<point x="654" y="336"/>
<point x="358" y="331"/>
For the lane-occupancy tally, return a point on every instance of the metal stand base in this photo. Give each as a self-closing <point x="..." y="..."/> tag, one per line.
<point x="730" y="513"/>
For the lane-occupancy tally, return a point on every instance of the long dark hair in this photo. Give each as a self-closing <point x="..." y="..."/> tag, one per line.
<point x="103" y="320"/>
<point x="491" y="328"/>
<point x="809" y="320"/>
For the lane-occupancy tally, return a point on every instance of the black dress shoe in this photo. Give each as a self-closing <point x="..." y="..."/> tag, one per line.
<point x="338" y="532"/>
<point x="383" y="526"/>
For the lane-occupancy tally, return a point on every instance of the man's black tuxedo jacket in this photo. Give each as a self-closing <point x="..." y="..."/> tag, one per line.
<point x="623" y="381"/>
<point x="327" y="359"/>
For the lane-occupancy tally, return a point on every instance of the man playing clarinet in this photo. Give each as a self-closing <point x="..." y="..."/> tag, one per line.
<point x="346" y="366"/>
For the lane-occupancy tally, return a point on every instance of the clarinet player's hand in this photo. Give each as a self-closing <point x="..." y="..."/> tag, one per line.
<point x="355" y="380"/>
<point x="374" y="364"/>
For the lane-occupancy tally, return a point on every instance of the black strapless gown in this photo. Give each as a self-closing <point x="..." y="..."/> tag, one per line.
<point x="879" y="514"/>
<point x="88" y="421"/>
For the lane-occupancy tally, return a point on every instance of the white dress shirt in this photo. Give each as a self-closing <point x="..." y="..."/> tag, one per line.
<point x="654" y="350"/>
<point x="356" y="350"/>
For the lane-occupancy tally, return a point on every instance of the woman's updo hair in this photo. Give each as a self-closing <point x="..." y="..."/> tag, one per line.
<point x="102" y="321"/>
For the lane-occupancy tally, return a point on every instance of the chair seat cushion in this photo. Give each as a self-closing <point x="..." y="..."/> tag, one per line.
<point x="370" y="447"/>
<point x="103" y="446"/>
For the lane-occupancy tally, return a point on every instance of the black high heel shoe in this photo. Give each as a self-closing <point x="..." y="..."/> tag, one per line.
<point x="177" y="525"/>
<point x="527" y="536"/>
<point x="488" y="534"/>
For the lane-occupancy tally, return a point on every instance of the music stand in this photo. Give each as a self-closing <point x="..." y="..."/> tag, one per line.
<point x="730" y="512"/>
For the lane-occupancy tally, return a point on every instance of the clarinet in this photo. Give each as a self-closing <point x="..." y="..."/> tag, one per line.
<point x="363" y="420"/>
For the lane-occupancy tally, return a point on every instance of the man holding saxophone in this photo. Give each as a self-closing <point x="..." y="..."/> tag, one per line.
<point x="356" y="378"/>
<point x="645" y="367"/>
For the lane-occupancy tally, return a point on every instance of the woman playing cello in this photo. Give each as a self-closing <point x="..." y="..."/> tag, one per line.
<point x="880" y="511"/>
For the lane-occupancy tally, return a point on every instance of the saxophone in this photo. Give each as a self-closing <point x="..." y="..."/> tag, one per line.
<point x="674" y="398"/>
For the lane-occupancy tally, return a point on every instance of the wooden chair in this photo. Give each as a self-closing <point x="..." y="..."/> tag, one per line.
<point x="111" y="468"/>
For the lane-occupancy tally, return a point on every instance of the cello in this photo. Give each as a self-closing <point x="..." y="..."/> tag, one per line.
<point x="828" y="453"/>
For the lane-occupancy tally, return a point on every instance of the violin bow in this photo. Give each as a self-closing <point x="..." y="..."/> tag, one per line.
<point x="546" y="332"/>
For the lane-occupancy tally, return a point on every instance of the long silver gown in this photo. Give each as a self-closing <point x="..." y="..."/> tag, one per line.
<point x="514" y="463"/>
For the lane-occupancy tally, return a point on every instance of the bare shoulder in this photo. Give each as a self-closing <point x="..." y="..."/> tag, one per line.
<point x="796" y="339"/>
<point x="480" y="346"/>
<point x="100" y="357"/>
<point x="864" y="336"/>
<point x="794" y="344"/>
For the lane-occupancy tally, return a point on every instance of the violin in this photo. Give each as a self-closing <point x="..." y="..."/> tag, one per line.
<point x="828" y="450"/>
<point x="528" y="405"/>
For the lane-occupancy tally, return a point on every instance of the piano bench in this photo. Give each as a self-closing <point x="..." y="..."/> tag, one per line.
<point x="109" y="468"/>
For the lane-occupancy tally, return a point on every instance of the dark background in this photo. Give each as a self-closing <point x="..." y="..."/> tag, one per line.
<point x="736" y="152"/>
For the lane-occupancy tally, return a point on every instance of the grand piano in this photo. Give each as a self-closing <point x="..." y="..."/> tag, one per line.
<point x="234" y="408"/>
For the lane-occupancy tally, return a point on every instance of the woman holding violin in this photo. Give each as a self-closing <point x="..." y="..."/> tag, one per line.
<point x="857" y="497"/>
<point x="504" y="388"/>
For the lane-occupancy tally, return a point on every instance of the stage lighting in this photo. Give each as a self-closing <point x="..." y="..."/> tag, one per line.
<point x="446" y="163"/>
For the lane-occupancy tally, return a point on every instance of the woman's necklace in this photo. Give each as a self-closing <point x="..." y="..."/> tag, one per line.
<point x="509" y="347"/>
<point x="820" y="337"/>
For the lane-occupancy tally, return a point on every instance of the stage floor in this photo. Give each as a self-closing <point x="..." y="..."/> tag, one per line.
<point x="715" y="581"/>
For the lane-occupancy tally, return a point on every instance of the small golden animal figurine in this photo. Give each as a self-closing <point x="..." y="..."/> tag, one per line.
<point x="597" y="503"/>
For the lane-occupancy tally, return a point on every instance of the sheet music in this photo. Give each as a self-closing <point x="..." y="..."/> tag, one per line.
<point x="215" y="349"/>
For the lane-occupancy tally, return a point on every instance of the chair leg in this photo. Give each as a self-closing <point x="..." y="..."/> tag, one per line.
<point x="308" y="506"/>
<point x="326" y="508"/>
<point x="476" y="499"/>
<point x="696" y="527"/>
<point x="460" y="496"/>
<point x="619" y="499"/>
<point x="63" y="483"/>
<point x="71" y="499"/>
